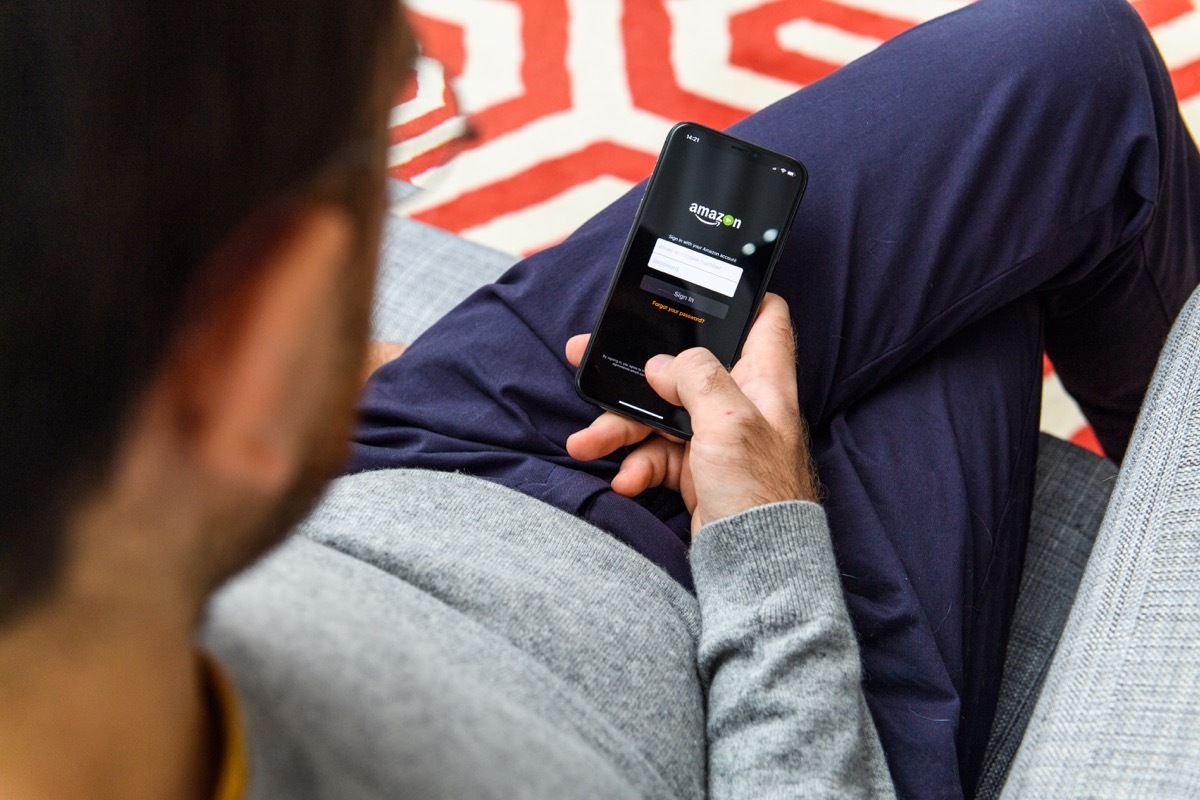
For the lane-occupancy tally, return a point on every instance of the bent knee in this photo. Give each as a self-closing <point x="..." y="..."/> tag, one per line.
<point x="1078" y="37"/>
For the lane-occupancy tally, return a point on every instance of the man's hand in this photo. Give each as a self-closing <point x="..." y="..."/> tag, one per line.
<point x="749" y="444"/>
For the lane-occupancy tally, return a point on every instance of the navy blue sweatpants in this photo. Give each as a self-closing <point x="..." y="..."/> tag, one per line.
<point x="1007" y="179"/>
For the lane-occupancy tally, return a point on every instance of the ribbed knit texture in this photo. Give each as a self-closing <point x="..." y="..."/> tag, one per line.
<point x="786" y="715"/>
<point x="439" y="636"/>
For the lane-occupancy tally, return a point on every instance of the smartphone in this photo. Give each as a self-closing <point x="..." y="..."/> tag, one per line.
<point x="707" y="234"/>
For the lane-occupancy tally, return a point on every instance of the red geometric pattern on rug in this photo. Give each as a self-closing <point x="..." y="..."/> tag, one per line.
<point x="647" y="29"/>
<point x="757" y="48"/>
<point x="568" y="100"/>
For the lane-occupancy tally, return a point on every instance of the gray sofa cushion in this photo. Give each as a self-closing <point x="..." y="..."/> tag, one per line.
<point x="1119" y="714"/>
<point x="1073" y="489"/>
<point x="423" y="273"/>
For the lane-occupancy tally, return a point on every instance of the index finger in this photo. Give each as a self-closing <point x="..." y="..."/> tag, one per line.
<point x="766" y="371"/>
<point x="608" y="433"/>
<point x="576" y="347"/>
<point x="771" y="336"/>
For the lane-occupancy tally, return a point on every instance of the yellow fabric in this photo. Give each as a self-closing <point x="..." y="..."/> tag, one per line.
<point x="231" y="783"/>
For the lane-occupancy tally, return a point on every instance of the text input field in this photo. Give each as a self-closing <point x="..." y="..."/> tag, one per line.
<point x="695" y="267"/>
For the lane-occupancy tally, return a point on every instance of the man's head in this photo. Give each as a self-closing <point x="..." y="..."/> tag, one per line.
<point x="176" y="181"/>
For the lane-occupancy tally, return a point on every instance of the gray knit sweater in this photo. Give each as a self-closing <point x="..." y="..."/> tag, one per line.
<point x="431" y="635"/>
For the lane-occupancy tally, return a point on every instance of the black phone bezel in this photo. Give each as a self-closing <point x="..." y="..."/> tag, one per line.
<point x="755" y="152"/>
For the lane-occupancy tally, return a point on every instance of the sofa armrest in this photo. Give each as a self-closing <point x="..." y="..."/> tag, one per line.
<point x="1072" y="490"/>
<point x="423" y="273"/>
<point x="1119" y="713"/>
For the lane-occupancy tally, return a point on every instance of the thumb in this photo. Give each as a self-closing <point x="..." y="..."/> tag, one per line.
<point x="696" y="380"/>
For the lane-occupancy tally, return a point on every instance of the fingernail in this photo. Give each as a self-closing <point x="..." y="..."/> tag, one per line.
<point x="659" y="363"/>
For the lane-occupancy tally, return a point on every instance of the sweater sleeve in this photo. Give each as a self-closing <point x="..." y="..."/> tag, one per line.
<point x="778" y="657"/>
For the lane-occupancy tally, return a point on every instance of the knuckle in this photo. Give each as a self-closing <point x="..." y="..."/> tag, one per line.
<point x="786" y="334"/>
<point x="715" y="378"/>
<point x="706" y="373"/>
<point x="695" y="358"/>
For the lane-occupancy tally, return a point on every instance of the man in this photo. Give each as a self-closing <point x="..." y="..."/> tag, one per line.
<point x="1005" y="180"/>
<point x="190" y="214"/>
<point x="191" y="200"/>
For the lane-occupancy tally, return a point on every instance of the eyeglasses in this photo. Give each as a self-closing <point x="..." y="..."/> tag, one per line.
<point x="428" y="126"/>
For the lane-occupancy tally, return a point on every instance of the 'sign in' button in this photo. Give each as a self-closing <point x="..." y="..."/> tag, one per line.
<point x="676" y="295"/>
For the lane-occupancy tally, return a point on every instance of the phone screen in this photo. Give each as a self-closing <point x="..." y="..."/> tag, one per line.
<point x="695" y="267"/>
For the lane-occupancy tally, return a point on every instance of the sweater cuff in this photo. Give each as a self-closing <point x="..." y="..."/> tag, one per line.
<point x="747" y="557"/>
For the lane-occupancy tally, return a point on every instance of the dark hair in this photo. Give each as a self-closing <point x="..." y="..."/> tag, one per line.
<point x="136" y="138"/>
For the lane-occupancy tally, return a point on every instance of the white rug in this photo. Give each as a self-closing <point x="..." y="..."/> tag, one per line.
<point x="570" y="100"/>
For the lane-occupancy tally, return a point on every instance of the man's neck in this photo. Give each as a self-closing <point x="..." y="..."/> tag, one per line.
<point x="103" y="704"/>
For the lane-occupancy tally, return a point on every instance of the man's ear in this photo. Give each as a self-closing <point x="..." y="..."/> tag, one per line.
<point x="249" y="379"/>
